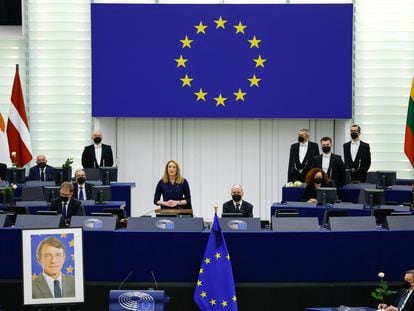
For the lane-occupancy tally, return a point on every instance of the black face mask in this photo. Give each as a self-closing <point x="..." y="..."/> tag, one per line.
<point x="326" y="149"/>
<point x="301" y="139"/>
<point x="97" y="140"/>
<point x="64" y="199"/>
<point x="236" y="197"/>
<point x="81" y="180"/>
<point x="354" y="135"/>
<point x="317" y="180"/>
<point x="406" y="284"/>
<point x="41" y="164"/>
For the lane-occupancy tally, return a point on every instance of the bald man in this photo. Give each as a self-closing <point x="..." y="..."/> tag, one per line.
<point x="41" y="171"/>
<point x="237" y="204"/>
<point x="97" y="154"/>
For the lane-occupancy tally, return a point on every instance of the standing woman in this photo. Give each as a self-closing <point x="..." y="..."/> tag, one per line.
<point x="173" y="188"/>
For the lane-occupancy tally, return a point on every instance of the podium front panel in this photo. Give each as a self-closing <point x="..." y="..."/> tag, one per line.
<point x="242" y="224"/>
<point x="94" y="222"/>
<point x="148" y="300"/>
<point x="37" y="221"/>
<point x="150" y="224"/>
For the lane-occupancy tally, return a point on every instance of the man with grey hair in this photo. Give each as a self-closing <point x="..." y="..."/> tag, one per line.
<point x="301" y="156"/>
<point x="237" y="204"/>
<point x="97" y="154"/>
<point x="41" y="171"/>
<point x="51" y="282"/>
<point x="405" y="298"/>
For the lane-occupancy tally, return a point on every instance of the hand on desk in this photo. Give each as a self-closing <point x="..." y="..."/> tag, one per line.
<point x="312" y="200"/>
<point x="384" y="307"/>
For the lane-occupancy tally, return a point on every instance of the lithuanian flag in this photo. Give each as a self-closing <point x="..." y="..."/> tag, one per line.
<point x="409" y="128"/>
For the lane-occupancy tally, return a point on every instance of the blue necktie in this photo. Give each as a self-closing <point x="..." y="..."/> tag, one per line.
<point x="56" y="289"/>
<point x="81" y="195"/>
<point x="64" y="210"/>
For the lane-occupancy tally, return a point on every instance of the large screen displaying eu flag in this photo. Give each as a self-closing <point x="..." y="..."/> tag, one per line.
<point x="222" y="61"/>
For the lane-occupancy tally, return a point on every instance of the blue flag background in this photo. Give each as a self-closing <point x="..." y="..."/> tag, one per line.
<point x="215" y="289"/>
<point x="224" y="61"/>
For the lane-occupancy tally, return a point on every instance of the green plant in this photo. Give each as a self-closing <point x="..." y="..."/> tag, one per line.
<point x="383" y="289"/>
<point x="68" y="163"/>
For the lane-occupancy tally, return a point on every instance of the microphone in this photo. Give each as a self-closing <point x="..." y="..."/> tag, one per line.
<point x="155" y="280"/>
<point x="127" y="277"/>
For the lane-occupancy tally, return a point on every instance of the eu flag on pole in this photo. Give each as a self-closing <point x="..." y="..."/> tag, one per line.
<point x="215" y="285"/>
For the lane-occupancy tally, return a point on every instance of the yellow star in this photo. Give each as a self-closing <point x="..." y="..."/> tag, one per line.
<point x="234" y="298"/>
<point x="63" y="235"/>
<point x="228" y="256"/>
<point x="181" y="61"/>
<point x="218" y="256"/>
<point x="186" y="81"/>
<point x="240" y="28"/>
<point x="220" y="101"/>
<point x="203" y="294"/>
<point x="207" y="261"/>
<point x="71" y="243"/>
<point x="212" y="302"/>
<point x="186" y="42"/>
<point x="199" y="283"/>
<point x="259" y="61"/>
<point x="239" y="96"/>
<point x="34" y="276"/>
<point x="224" y="303"/>
<point x="201" y="95"/>
<point x="254" y="42"/>
<point x="254" y="81"/>
<point x="220" y="23"/>
<point x="201" y="28"/>
<point x="201" y="270"/>
<point x="69" y="269"/>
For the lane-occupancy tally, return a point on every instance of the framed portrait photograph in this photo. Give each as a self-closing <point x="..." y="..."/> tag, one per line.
<point x="52" y="266"/>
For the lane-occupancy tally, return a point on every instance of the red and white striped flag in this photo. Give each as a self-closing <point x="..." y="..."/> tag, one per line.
<point x="18" y="132"/>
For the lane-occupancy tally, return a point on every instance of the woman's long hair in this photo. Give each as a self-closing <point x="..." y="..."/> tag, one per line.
<point x="178" y="179"/>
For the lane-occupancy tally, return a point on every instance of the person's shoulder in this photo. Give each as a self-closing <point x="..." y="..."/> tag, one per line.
<point x="106" y="146"/>
<point x="248" y="204"/>
<point x="89" y="147"/>
<point x="347" y="143"/>
<point x="75" y="202"/>
<point x="364" y="143"/>
<point x="228" y="203"/>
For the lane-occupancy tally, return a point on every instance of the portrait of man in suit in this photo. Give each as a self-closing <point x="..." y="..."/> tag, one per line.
<point x="51" y="282"/>
<point x="237" y="204"/>
<point x="97" y="154"/>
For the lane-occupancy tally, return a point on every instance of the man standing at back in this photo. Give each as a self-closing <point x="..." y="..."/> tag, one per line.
<point x="97" y="154"/>
<point x="357" y="156"/>
<point x="301" y="156"/>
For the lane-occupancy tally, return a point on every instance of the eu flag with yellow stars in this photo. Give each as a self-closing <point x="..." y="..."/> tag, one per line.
<point x="215" y="289"/>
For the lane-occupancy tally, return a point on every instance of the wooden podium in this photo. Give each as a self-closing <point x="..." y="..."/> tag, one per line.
<point x="173" y="211"/>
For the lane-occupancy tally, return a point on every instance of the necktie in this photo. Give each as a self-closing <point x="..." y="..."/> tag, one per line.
<point x="237" y="207"/>
<point x="56" y="289"/>
<point x="402" y="299"/>
<point x="64" y="210"/>
<point x="42" y="174"/>
<point x="81" y="195"/>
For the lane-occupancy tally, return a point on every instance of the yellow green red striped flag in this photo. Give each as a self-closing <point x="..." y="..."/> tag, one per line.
<point x="409" y="128"/>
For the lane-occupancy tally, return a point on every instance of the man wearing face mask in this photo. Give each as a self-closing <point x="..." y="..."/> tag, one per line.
<point x="357" y="156"/>
<point x="237" y="204"/>
<point x="331" y="163"/>
<point x="405" y="298"/>
<point x="65" y="204"/>
<point x="41" y="171"/>
<point x="81" y="189"/>
<point x="301" y="156"/>
<point x="97" y="154"/>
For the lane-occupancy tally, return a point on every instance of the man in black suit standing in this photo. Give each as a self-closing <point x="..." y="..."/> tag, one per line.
<point x="237" y="205"/>
<point x="65" y="204"/>
<point x="97" y="154"/>
<point x="41" y="171"/>
<point x="405" y="298"/>
<point x="301" y="156"/>
<point x="357" y="156"/>
<point x="81" y="189"/>
<point x="331" y="163"/>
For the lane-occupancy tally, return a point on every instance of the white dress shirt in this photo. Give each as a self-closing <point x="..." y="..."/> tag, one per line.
<point x="50" y="283"/>
<point x="354" y="149"/>
<point x="98" y="153"/>
<point x="326" y="158"/>
<point x="303" y="148"/>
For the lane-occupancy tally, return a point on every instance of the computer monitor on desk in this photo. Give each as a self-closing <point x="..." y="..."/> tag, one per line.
<point x="374" y="197"/>
<point x="15" y="175"/>
<point x="326" y="195"/>
<point x="61" y="175"/>
<point x="101" y="194"/>
<point x="108" y="174"/>
<point x="386" y="179"/>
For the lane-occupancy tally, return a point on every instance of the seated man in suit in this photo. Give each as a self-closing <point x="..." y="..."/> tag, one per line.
<point x="41" y="171"/>
<point x="405" y="298"/>
<point x="301" y="156"/>
<point x="81" y="189"/>
<point x="51" y="282"/>
<point x="2" y="171"/>
<point x="97" y="154"/>
<point x="237" y="205"/>
<point x="331" y="163"/>
<point x="357" y="156"/>
<point x="65" y="204"/>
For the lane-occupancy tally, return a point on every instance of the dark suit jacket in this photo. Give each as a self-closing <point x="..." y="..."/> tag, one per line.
<point x="89" y="160"/>
<point x="246" y="208"/>
<point x="409" y="305"/>
<point x="297" y="170"/>
<point x="34" y="173"/>
<point x="41" y="290"/>
<point x="336" y="170"/>
<point x="74" y="207"/>
<point x="87" y="189"/>
<point x="3" y="171"/>
<point x="362" y="163"/>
